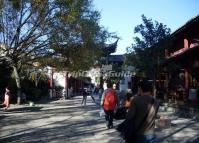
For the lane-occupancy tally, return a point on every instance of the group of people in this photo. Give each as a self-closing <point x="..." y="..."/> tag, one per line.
<point x="141" y="110"/>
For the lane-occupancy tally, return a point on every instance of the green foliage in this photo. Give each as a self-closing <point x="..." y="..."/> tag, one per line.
<point x="62" y="33"/>
<point x="34" y="94"/>
<point x="61" y="30"/>
<point x="79" y="42"/>
<point x="59" y="88"/>
<point x="147" y="51"/>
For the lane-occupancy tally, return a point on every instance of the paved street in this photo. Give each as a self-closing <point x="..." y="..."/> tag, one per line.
<point x="66" y="121"/>
<point x="59" y="121"/>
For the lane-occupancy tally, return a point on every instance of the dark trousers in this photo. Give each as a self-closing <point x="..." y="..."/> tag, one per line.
<point x="84" y="100"/>
<point x="109" y="117"/>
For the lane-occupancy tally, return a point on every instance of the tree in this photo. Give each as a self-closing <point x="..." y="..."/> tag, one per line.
<point x="81" y="45"/>
<point x="5" y="73"/>
<point x="147" y="51"/>
<point x="62" y="33"/>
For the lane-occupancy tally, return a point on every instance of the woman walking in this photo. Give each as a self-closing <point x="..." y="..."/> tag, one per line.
<point x="6" y="102"/>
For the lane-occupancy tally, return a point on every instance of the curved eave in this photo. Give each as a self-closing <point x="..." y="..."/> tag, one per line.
<point x="187" y="24"/>
<point x="190" y="52"/>
<point x="110" y="48"/>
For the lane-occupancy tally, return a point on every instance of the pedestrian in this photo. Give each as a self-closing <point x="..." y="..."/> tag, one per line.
<point x="84" y="94"/>
<point x="109" y="103"/>
<point x="128" y="99"/>
<point x="91" y="93"/>
<point x="96" y="89"/>
<point x="7" y="96"/>
<point x="122" y="111"/>
<point x="101" y="90"/>
<point x="92" y="97"/>
<point x="140" y="120"/>
<point x="114" y="86"/>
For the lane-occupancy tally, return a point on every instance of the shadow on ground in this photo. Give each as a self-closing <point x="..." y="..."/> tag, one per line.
<point x="2" y="117"/>
<point x="57" y="123"/>
<point x="183" y="134"/>
<point x="61" y="132"/>
<point x="25" y="109"/>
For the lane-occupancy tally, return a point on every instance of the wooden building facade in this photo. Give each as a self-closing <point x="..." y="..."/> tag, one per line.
<point x="184" y="52"/>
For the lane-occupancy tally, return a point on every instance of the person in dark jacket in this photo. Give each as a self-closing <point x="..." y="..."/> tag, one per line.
<point x="141" y="114"/>
<point x="84" y="94"/>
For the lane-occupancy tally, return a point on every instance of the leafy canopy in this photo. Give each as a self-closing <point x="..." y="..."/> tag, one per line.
<point x="148" y="48"/>
<point x="63" y="33"/>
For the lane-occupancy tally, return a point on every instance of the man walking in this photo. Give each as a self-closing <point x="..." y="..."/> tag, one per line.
<point x="109" y="103"/>
<point x="84" y="94"/>
<point x="142" y="115"/>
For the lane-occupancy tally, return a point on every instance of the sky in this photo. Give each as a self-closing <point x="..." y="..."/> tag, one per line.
<point x="121" y="16"/>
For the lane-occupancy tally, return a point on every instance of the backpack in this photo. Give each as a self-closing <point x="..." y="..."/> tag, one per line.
<point x="110" y="100"/>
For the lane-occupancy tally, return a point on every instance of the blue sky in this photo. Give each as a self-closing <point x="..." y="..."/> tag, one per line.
<point x="121" y="16"/>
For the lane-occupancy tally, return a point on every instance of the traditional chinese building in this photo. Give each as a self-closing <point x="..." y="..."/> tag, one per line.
<point x="78" y="80"/>
<point x="106" y="62"/>
<point x="184" y="52"/>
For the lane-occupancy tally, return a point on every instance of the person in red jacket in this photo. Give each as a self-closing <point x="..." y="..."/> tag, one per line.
<point x="109" y="103"/>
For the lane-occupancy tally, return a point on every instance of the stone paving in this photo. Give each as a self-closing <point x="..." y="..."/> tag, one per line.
<point x="55" y="122"/>
<point x="66" y="121"/>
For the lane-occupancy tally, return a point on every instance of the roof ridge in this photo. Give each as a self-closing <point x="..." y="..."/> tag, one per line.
<point x="186" y="24"/>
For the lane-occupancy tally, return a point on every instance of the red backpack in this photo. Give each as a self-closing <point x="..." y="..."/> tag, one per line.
<point x="110" y="100"/>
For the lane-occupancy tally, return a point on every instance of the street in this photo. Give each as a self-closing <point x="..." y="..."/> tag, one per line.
<point x="66" y="121"/>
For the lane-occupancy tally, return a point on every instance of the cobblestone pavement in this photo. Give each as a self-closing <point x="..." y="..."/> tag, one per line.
<point x="66" y="121"/>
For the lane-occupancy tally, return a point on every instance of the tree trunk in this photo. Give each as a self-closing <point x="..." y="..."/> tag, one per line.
<point x="18" y="83"/>
<point x="66" y="85"/>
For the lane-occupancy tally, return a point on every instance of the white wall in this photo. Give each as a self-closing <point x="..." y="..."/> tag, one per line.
<point x="124" y="83"/>
<point x="59" y="79"/>
<point x="93" y="74"/>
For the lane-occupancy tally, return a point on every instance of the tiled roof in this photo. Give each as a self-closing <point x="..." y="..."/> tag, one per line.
<point x="111" y="48"/>
<point x="187" y="24"/>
